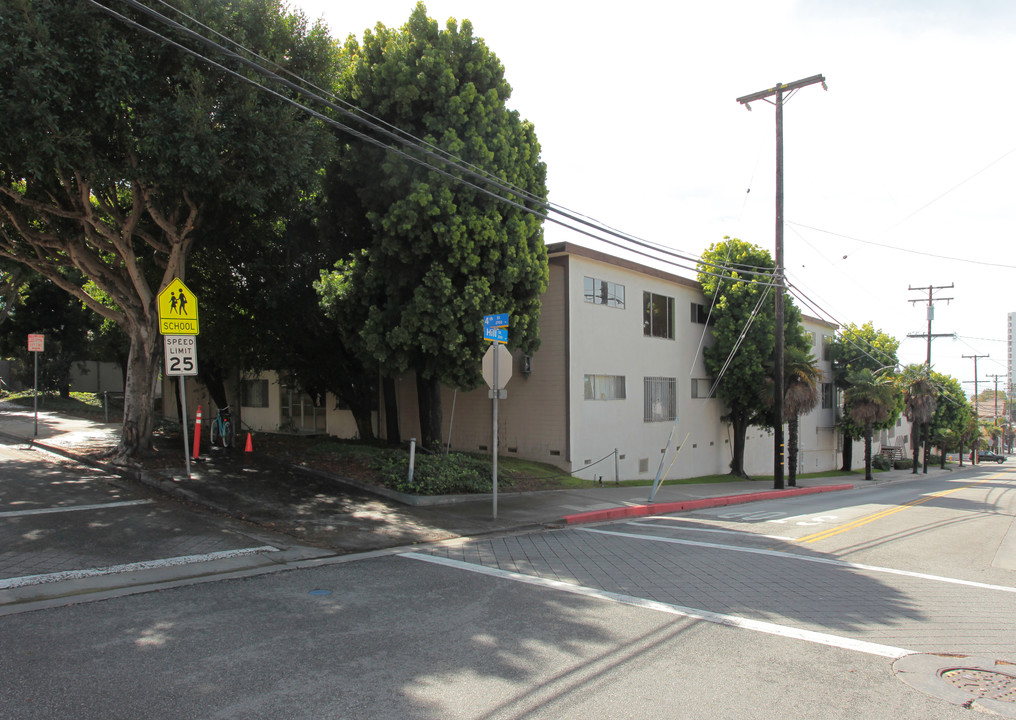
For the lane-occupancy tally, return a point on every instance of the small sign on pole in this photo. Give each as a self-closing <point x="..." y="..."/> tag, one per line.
<point x="36" y="344"/>
<point x="495" y="329"/>
<point x="178" y="322"/>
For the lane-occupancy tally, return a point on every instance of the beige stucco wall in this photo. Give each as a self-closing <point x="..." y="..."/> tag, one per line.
<point x="532" y="420"/>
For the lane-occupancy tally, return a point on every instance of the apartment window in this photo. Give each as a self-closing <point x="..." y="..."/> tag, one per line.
<point x="827" y="342"/>
<point x="604" y="292"/>
<point x="700" y="315"/>
<point x="827" y="396"/>
<point x="660" y="399"/>
<point x="657" y="315"/>
<point x="604" y="387"/>
<point x="700" y="388"/>
<point x="254" y="393"/>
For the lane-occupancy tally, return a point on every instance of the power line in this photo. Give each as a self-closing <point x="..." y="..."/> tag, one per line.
<point x="904" y="250"/>
<point x="409" y="141"/>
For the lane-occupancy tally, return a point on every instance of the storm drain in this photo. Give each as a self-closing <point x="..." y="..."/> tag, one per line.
<point x="984" y="684"/>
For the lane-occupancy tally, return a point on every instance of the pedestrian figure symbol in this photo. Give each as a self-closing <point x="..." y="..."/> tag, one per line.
<point x="178" y="310"/>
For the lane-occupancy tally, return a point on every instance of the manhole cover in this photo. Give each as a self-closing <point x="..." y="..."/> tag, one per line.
<point x="988" y="684"/>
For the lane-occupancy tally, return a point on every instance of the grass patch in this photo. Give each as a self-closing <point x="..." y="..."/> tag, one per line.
<point x="80" y="404"/>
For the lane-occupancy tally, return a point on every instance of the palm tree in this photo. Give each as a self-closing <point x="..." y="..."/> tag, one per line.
<point x="801" y="380"/>
<point x="870" y="400"/>
<point x="920" y="397"/>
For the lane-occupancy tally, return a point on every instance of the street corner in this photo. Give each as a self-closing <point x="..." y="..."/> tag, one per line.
<point x="970" y="681"/>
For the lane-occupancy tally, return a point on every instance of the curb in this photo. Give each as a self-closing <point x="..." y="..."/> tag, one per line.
<point x="685" y="505"/>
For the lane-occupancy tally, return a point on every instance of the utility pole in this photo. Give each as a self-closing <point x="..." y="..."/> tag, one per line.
<point x="996" y="399"/>
<point x="926" y="445"/>
<point x="778" y="388"/>
<point x="977" y="407"/>
<point x="931" y="315"/>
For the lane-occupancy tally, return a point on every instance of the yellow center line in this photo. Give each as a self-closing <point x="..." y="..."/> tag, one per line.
<point x="885" y="513"/>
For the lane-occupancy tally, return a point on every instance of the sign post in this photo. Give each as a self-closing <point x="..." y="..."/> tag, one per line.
<point x="495" y="330"/>
<point x="178" y="323"/>
<point x="36" y="344"/>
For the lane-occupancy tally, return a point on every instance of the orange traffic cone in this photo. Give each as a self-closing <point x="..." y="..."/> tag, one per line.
<point x="197" y="435"/>
<point x="250" y="446"/>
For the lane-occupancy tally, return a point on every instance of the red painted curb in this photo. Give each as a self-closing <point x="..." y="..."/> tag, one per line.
<point x="663" y="508"/>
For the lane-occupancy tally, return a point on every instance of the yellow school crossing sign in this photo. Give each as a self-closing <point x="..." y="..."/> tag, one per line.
<point x="178" y="310"/>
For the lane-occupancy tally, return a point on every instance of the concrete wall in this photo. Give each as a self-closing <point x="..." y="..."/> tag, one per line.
<point x="94" y="376"/>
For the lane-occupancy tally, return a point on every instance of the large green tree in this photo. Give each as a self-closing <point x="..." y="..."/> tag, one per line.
<point x="117" y="146"/>
<point x="735" y="277"/>
<point x="855" y="348"/>
<point x="952" y="416"/>
<point x="440" y="254"/>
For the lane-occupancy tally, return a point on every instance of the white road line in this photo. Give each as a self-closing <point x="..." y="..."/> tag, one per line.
<point x="711" y="530"/>
<point x="72" y="508"/>
<point x="26" y="580"/>
<point x="718" y="618"/>
<point x="806" y="558"/>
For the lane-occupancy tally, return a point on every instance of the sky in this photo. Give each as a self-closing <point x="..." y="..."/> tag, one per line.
<point x="900" y="176"/>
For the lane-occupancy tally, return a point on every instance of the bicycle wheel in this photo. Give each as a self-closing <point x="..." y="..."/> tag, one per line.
<point x="214" y="431"/>
<point x="227" y="433"/>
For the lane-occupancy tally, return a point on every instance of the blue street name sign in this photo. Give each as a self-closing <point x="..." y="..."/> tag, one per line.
<point x="495" y="321"/>
<point x="496" y="334"/>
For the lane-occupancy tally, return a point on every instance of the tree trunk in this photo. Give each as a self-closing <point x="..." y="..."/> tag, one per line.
<point x="915" y="443"/>
<point x="927" y="445"/>
<point x="740" y="429"/>
<point x="392" y="433"/>
<point x="428" y="394"/>
<point x="793" y="429"/>
<point x="143" y="368"/>
<point x="848" y="453"/>
<point x="867" y="453"/>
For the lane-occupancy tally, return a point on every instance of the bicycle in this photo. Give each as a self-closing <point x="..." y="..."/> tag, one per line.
<point x="222" y="427"/>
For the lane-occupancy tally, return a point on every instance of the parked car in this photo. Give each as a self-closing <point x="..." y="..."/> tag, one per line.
<point x="988" y="456"/>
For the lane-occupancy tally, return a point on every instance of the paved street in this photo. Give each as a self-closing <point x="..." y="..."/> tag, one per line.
<point x="66" y="528"/>
<point x="815" y="606"/>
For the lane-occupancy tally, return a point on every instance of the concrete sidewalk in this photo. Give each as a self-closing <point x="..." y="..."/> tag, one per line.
<point x="269" y="493"/>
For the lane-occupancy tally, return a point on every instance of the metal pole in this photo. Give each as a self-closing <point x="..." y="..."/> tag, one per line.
<point x="412" y="458"/>
<point x="183" y="410"/>
<point x="497" y="391"/>
<point x="617" y="475"/>
<point x="778" y="344"/>
<point x="35" y="402"/>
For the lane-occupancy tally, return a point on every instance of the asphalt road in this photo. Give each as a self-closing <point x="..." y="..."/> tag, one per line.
<point x="796" y="608"/>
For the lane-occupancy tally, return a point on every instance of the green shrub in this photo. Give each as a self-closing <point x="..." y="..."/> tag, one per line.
<point x="904" y="464"/>
<point x="880" y="462"/>
<point x="450" y="474"/>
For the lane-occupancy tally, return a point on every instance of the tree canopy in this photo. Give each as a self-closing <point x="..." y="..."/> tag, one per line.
<point x="114" y="170"/>
<point x="439" y="254"/>
<point x="857" y="348"/>
<point x="736" y="279"/>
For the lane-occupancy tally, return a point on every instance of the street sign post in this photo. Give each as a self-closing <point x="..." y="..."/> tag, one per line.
<point x="178" y="310"/>
<point x="181" y="355"/>
<point x="495" y="330"/>
<point x="36" y="344"/>
<point x="178" y="322"/>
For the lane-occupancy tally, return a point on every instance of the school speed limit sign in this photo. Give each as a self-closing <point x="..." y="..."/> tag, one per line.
<point x="181" y="355"/>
